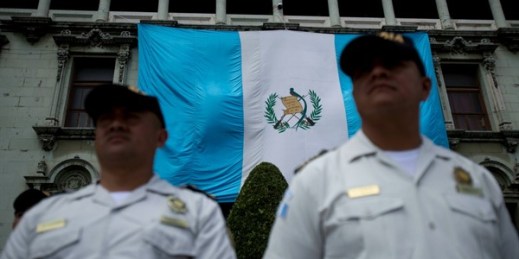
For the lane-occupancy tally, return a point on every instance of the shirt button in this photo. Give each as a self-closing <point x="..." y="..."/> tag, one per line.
<point x="369" y="215"/>
<point x="432" y="226"/>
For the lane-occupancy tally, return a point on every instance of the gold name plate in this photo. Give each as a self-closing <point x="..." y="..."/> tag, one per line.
<point x="363" y="191"/>
<point x="51" y="225"/>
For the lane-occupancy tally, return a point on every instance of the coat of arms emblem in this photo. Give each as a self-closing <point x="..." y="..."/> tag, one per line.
<point x="296" y="114"/>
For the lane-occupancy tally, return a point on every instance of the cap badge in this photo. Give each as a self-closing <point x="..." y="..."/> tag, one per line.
<point x="177" y="205"/>
<point x="391" y="36"/>
<point x="135" y="90"/>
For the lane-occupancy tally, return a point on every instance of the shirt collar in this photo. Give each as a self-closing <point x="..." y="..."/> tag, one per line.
<point x="362" y="146"/>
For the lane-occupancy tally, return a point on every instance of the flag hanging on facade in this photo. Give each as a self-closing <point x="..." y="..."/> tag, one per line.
<point x="235" y="99"/>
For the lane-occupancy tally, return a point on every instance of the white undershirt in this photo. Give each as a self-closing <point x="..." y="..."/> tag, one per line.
<point x="119" y="197"/>
<point x="407" y="159"/>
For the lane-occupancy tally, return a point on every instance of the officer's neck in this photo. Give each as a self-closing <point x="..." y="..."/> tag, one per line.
<point x="393" y="137"/>
<point x="115" y="180"/>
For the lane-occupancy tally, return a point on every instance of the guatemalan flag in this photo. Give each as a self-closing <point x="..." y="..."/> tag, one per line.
<point x="235" y="99"/>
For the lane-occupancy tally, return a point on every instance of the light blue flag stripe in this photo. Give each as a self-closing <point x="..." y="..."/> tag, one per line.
<point x="431" y="116"/>
<point x="197" y="77"/>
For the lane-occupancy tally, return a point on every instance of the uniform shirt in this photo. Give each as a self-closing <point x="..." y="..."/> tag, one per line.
<point x="156" y="220"/>
<point x="355" y="202"/>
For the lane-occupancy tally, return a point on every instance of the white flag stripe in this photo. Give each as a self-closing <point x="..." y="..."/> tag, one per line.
<point x="274" y="62"/>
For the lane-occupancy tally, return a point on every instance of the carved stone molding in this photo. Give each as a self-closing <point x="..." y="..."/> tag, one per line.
<point x="122" y="60"/>
<point x="63" y="57"/>
<point x="32" y="27"/>
<point x="42" y="167"/>
<point x="489" y="62"/>
<point x="95" y="37"/>
<point x="437" y="68"/>
<point x="48" y="135"/>
<point x="509" y="138"/>
<point x="462" y="45"/>
<point x="509" y="37"/>
<point x="280" y="26"/>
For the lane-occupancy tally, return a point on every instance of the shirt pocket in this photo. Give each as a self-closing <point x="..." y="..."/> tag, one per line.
<point x="473" y="216"/>
<point x="474" y="207"/>
<point x="169" y="242"/>
<point x="55" y="243"/>
<point x="369" y="223"/>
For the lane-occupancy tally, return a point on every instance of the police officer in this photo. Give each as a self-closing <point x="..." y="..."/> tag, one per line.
<point x="130" y="212"/>
<point x="389" y="192"/>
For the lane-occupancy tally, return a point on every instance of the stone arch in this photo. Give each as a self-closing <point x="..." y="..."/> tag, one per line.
<point x="502" y="173"/>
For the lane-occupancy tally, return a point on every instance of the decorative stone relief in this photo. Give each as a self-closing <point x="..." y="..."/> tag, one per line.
<point x="462" y="45"/>
<point x="72" y="179"/>
<point x="95" y="37"/>
<point x="68" y="175"/>
<point x="489" y="62"/>
<point x="122" y="60"/>
<point x="42" y="167"/>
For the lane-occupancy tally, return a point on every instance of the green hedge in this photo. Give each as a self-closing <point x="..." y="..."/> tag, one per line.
<point x="253" y="214"/>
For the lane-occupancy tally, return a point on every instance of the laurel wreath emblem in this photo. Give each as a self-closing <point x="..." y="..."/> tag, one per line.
<point x="315" y="115"/>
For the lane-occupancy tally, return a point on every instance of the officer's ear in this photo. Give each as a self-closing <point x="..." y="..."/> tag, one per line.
<point x="163" y="136"/>
<point x="426" y="87"/>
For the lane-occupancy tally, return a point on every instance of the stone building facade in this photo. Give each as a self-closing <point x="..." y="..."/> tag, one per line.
<point x="53" y="52"/>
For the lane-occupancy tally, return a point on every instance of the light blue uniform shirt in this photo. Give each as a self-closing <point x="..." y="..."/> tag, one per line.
<point x="356" y="203"/>
<point x="89" y="224"/>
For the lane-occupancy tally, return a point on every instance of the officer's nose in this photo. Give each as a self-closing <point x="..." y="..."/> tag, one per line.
<point x="118" y="120"/>
<point x="379" y="71"/>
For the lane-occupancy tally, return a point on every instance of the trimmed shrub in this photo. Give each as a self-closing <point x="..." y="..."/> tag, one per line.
<point x="253" y="214"/>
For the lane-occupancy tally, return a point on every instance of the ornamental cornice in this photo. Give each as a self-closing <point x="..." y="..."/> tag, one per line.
<point x="508" y="138"/>
<point x="49" y="135"/>
<point x="509" y="37"/>
<point x="33" y="28"/>
<point x="95" y="37"/>
<point x="467" y="44"/>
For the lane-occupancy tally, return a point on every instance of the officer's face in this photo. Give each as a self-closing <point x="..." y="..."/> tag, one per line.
<point x="123" y="134"/>
<point x="390" y="90"/>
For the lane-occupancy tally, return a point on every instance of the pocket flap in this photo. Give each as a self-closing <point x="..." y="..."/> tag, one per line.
<point x="472" y="206"/>
<point x="170" y="242"/>
<point x="48" y="243"/>
<point x="369" y="207"/>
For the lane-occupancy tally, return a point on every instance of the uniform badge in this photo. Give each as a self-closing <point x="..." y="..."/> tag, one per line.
<point x="177" y="205"/>
<point x="464" y="183"/>
<point x="174" y="222"/>
<point x="462" y="177"/>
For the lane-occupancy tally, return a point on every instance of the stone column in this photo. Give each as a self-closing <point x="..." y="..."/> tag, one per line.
<point x="277" y="10"/>
<point x="221" y="11"/>
<point x="163" y="10"/>
<point x="43" y="8"/>
<point x="102" y="11"/>
<point x="389" y="12"/>
<point x="333" y="10"/>
<point x="443" y="13"/>
<point x="497" y="13"/>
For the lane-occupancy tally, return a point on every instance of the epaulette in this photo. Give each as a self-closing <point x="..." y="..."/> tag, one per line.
<point x="195" y="189"/>
<point x="299" y="168"/>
